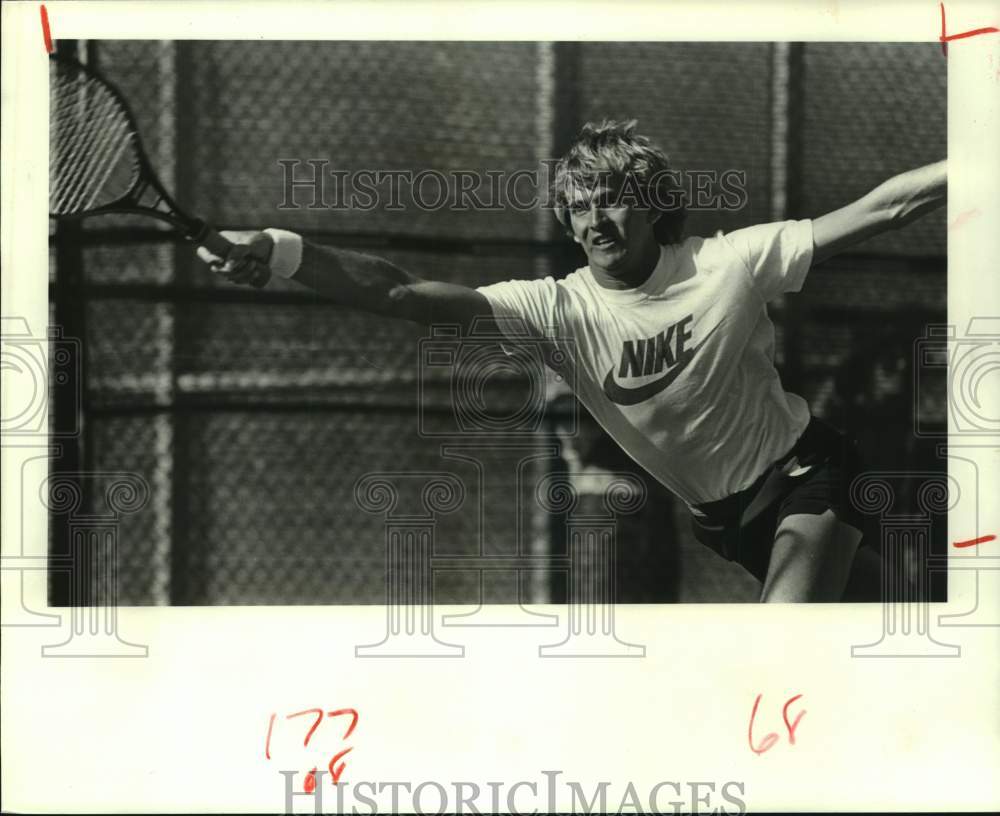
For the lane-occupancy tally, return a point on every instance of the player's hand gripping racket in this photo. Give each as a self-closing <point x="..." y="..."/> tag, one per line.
<point x="97" y="163"/>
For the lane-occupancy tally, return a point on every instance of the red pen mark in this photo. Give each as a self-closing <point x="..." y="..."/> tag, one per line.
<point x="947" y="38"/>
<point x="341" y="711"/>
<point x="964" y="218"/>
<point x="319" y="718"/>
<point x="975" y="541"/>
<point x="336" y="766"/>
<point x="267" y="746"/>
<point x="335" y="773"/>
<point x="46" y="34"/>
<point x="791" y="727"/>
<point x="769" y="740"/>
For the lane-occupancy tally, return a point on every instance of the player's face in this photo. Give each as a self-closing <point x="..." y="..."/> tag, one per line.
<point x="617" y="237"/>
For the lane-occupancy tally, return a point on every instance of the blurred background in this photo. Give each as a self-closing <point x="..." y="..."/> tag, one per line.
<point x="251" y="415"/>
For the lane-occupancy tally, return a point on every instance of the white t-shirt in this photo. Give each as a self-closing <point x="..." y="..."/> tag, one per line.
<point x="680" y="371"/>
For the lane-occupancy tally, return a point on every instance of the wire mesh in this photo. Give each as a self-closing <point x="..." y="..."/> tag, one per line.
<point x="873" y="110"/>
<point x="706" y="104"/>
<point x="443" y="106"/>
<point x="252" y="415"/>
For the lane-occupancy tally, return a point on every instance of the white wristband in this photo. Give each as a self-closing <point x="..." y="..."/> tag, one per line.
<point x="287" y="253"/>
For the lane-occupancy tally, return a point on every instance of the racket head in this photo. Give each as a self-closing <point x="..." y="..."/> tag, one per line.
<point x="97" y="163"/>
<point x="96" y="158"/>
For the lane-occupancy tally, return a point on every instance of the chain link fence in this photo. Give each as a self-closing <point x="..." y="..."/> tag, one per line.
<point x="252" y="415"/>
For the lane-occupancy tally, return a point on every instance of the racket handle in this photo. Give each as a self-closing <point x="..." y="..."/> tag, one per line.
<point x="217" y="245"/>
<point x="213" y="242"/>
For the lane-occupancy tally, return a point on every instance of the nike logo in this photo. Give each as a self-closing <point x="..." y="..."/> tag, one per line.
<point x="623" y="395"/>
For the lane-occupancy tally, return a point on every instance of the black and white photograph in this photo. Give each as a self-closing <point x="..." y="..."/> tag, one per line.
<point x="499" y="407"/>
<point x="503" y="287"/>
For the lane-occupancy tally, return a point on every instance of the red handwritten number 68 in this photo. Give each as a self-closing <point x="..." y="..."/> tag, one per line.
<point x="770" y="739"/>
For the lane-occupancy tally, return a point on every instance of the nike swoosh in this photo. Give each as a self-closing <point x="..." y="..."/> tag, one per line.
<point x="633" y="396"/>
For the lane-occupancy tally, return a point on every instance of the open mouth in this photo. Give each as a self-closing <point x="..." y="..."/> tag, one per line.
<point x="603" y="241"/>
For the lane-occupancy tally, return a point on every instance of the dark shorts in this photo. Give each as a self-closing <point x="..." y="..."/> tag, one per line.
<point x="741" y="527"/>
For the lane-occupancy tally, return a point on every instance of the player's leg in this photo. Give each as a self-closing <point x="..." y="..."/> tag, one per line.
<point x="811" y="559"/>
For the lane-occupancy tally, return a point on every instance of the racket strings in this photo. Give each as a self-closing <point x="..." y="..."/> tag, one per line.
<point x="88" y="147"/>
<point x="85" y="145"/>
<point x="71" y="126"/>
<point x="80" y="143"/>
<point x="93" y="146"/>
<point x="106" y="160"/>
<point x="84" y="140"/>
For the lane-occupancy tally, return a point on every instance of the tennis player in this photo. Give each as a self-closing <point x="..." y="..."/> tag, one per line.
<point x="673" y="347"/>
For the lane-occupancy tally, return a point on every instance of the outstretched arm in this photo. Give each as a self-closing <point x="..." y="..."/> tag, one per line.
<point x="891" y="205"/>
<point x="358" y="281"/>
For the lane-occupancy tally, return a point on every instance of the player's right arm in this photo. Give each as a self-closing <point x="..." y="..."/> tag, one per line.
<point x="358" y="281"/>
<point x="375" y="285"/>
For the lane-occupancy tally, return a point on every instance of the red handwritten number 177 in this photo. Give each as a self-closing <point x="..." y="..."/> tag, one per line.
<point x="334" y="768"/>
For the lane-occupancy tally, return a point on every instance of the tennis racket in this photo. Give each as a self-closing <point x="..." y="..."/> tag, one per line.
<point x="97" y="163"/>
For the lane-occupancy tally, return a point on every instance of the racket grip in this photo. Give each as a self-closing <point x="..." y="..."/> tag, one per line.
<point x="217" y="245"/>
<point x="213" y="242"/>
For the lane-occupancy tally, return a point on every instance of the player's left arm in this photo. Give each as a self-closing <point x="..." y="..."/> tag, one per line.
<point x="891" y="205"/>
